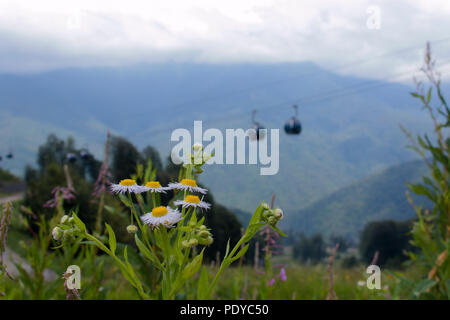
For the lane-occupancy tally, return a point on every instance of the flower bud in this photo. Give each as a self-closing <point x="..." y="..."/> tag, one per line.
<point x="265" y="206"/>
<point x="64" y="219"/>
<point x="185" y="244"/>
<point x="68" y="235"/>
<point x="57" y="233"/>
<point x="204" y="234"/>
<point x="209" y="240"/>
<point x="272" y="220"/>
<point x="197" y="147"/>
<point x="202" y="227"/>
<point x="132" y="229"/>
<point x="193" y="242"/>
<point x="71" y="220"/>
<point x="192" y="224"/>
<point x="278" y="213"/>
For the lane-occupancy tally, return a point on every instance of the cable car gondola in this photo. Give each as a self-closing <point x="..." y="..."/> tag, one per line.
<point x="257" y="132"/>
<point x="70" y="157"/>
<point x="84" y="154"/>
<point x="293" y="125"/>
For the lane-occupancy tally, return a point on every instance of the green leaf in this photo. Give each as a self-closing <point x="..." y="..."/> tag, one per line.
<point x="79" y="223"/>
<point x="227" y="249"/>
<point x="130" y="270"/>
<point x="256" y="215"/>
<point x="421" y="190"/>
<point x="202" y="289"/>
<point x="423" y="286"/>
<point x="125" y="200"/>
<point x="112" y="239"/>
<point x="193" y="266"/>
<point x="147" y="253"/>
<point x="241" y="252"/>
<point x="279" y="231"/>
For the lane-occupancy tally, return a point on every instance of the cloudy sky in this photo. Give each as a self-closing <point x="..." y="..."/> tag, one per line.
<point x="367" y="38"/>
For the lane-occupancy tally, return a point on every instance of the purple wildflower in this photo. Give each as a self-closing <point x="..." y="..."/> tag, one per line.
<point x="64" y="193"/>
<point x="282" y="274"/>
<point x="103" y="180"/>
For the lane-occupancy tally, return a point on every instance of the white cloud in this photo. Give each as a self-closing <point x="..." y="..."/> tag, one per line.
<point x="42" y="35"/>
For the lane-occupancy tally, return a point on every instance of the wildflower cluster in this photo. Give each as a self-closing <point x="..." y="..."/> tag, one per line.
<point x="67" y="230"/>
<point x="272" y="216"/>
<point x="168" y="236"/>
<point x="197" y="234"/>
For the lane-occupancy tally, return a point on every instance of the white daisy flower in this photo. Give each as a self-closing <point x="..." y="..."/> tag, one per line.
<point x="165" y="216"/>
<point x="189" y="185"/>
<point x="192" y="201"/>
<point x="126" y="185"/>
<point x="154" y="186"/>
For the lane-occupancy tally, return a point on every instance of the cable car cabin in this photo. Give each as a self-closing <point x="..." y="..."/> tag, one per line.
<point x="84" y="154"/>
<point x="70" y="157"/>
<point x="257" y="132"/>
<point x="9" y="155"/>
<point x="293" y="126"/>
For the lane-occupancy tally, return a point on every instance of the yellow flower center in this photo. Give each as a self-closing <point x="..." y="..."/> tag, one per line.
<point x="189" y="182"/>
<point x="159" y="211"/>
<point x="192" y="199"/>
<point x="153" y="184"/>
<point x="127" y="182"/>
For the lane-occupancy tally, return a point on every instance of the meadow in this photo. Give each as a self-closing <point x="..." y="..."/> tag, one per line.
<point x="240" y="282"/>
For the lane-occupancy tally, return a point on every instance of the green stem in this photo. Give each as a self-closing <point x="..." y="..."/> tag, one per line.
<point x="153" y="200"/>
<point x="133" y="210"/>
<point x="223" y="265"/>
<point x="99" y="244"/>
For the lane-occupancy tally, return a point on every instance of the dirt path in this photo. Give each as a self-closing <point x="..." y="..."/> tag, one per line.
<point x="10" y="258"/>
<point x="12" y="197"/>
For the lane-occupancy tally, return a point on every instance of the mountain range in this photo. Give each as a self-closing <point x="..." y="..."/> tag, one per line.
<point x="380" y="196"/>
<point x="350" y="125"/>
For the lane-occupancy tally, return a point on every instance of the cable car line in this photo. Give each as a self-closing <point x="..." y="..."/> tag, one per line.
<point x="336" y="93"/>
<point x="343" y="66"/>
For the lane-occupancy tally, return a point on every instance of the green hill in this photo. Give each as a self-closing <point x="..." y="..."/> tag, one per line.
<point x="377" y="197"/>
<point x="9" y="183"/>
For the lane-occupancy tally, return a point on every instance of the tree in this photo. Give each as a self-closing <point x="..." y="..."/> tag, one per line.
<point x="390" y="238"/>
<point x="58" y="151"/>
<point x="125" y="157"/>
<point x="53" y="151"/>
<point x="344" y="243"/>
<point x="150" y="153"/>
<point x="39" y="191"/>
<point x="309" y="249"/>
